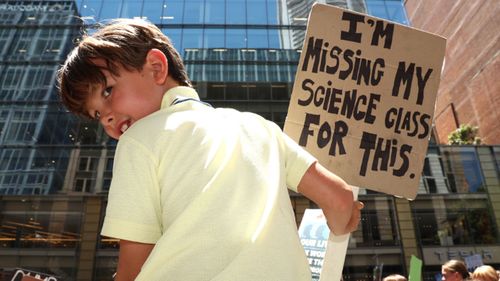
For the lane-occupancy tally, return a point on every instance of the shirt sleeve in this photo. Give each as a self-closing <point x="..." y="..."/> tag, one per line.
<point x="133" y="211"/>
<point x="298" y="160"/>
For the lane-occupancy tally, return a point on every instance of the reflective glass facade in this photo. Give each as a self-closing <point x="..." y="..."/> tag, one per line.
<point x="55" y="169"/>
<point x="35" y="37"/>
<point x="239" y="53"/>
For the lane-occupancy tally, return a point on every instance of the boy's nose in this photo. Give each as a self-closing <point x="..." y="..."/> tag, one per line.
<point x="107" y="119"/>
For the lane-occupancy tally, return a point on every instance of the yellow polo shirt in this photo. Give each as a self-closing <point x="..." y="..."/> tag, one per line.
<point x="209" y="188"/>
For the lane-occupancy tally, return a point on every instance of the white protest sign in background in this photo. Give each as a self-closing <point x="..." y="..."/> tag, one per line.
<point x="325" y="251"/>
<point x="363" y="98"/>
<point x="314" y="232"/>
<point x="473" y="261"/>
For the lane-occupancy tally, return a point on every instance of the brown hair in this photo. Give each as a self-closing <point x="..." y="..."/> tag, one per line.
<point x="457" y="266"/>
<point x="121" y="42"/>
<point x="485" y="273"/>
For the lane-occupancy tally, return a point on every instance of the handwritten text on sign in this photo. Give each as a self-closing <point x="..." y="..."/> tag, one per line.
<point x="364" y="95"/>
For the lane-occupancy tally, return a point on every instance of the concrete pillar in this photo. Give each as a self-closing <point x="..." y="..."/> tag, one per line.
<point x="407" y="231"/>
<point x="90" y="234"/>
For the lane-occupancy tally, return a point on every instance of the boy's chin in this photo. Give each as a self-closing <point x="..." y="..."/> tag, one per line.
<point x="112" y="136"/>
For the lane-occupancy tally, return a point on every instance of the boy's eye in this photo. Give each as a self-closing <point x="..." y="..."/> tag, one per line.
<point x="107" y="92"/>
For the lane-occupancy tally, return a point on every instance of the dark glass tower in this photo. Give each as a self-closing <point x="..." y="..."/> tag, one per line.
<point x="239" y="53"/>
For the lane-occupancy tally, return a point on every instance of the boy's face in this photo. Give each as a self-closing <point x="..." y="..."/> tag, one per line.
<point x="125" y="99"/>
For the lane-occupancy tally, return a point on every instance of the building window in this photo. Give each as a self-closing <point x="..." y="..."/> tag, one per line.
<point x="49" y="44"/>
<point x="88" y="164"/>
<point x="193" y="11"/>
<point x="22" y="44"/>
<point x="5" y="37"/>
<point x="214" y="11"/>
<point x="34" y="223"/>
<point x="388" y="9"/>
<point x="153" y="10"/>
<point x="14" y="159"/>
<point x="109" y="164"/>
<point x="256" y="11"/>
<point x="433" y="175"/>
<point x="446" y="221"/>
<point x="111" y="9"/>
<point x="131" y="9"/>
<point x="496" y="154"/>
<point x="213" y="38"/>
<point x="378" y="224"/>
<point x="462" y="169"/>
<point x="106" y="184"/>
<point x="236" y="12"/>
<point x="22" y="126"/>
<point x="4" y="114"/>
<point x="90" y="11"/>
<point x="37" y="83"/>
<point x="84" y="184"/>
<point x="10" y="81"/>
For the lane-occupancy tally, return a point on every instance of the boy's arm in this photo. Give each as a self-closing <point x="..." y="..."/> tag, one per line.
<point x="334" y="196"/>
<point x="131" y="257"/>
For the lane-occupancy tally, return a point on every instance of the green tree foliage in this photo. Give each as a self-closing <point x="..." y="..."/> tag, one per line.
<point x="465" y="134"/>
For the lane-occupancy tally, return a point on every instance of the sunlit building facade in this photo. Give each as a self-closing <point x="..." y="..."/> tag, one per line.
<point x="468" y="91"/>
<point x="55" y="169"/>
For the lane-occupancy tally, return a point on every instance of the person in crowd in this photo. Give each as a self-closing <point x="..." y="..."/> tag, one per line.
<point x="485" y="273"/>
<point x="395" y="277"/>
<point x="454" y="270"/>
<point x="198" y="193"/>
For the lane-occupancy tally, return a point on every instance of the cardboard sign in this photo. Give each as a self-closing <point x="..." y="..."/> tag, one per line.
<point x="363" y="99"/>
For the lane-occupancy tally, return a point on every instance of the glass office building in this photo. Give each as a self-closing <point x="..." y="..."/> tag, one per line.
<point x="55" y="169"/>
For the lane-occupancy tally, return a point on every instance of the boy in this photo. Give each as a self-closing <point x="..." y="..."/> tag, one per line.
<point x="197" y="193"/>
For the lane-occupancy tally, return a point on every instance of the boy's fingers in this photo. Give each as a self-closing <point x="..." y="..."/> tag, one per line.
<point x="359" y="205"/>
<point x="353" y="223"/>
<point x="356" y="216"/>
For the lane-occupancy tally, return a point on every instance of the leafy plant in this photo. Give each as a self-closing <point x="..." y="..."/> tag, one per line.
<point x="465" y="134"/>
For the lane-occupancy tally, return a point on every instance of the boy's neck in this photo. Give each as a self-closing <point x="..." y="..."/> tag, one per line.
<point x="170" y="83"/>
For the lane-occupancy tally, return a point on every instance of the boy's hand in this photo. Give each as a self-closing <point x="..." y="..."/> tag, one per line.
<point x="353" y="223"/>
<point x="334" y="196"/>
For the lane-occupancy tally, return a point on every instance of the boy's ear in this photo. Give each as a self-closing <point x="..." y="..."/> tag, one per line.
<point x="157" y="62"/>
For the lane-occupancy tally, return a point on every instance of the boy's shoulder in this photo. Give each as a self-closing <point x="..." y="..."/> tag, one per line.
<point x="146" y="129"/>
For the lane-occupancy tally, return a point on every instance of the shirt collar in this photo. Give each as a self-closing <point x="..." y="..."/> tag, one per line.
<point x="179" y="92"/>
